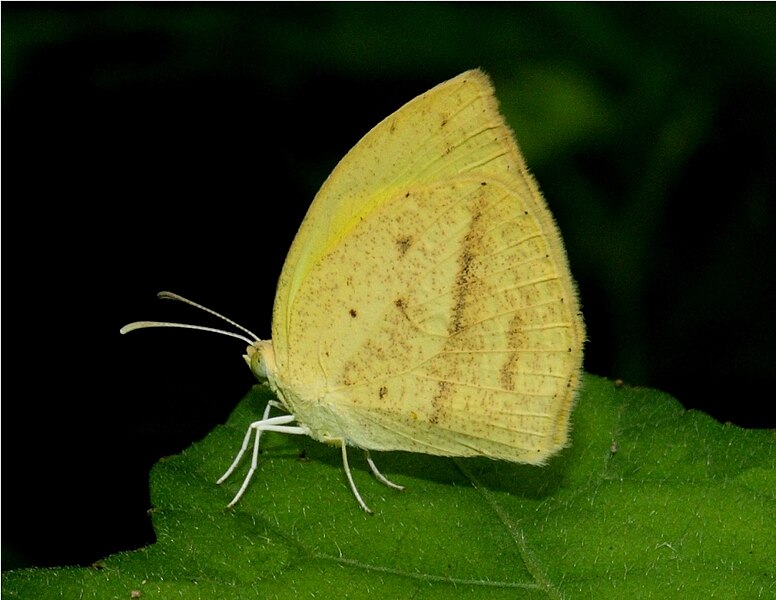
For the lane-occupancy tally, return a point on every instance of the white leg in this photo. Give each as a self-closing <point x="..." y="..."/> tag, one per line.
<point x="273" y="424"/>
<point x="380" y="477"/>
<point x="350" y="478"/>
<point x="256" y="428"/>
<point x="244" y="446"/>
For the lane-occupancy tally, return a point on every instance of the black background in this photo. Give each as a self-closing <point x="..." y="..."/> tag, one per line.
<point x="177" y="146"/>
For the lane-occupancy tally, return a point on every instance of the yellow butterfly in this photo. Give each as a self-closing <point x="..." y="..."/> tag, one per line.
<point x="426" y="303"/>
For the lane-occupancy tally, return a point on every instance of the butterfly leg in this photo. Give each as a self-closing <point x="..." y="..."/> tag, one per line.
<point x="360" y="500"/>
<point x="256" y="428"/>
<point x="246" y="440"/>
<point x="380" y="477"/>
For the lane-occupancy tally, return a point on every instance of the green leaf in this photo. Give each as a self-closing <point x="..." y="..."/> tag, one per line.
<point x="649" y="501"/>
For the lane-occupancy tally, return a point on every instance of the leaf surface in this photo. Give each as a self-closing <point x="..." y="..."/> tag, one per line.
<point x="650" y="501"/>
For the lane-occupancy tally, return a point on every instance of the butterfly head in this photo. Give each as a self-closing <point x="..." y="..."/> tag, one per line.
<point x="260" y="357"/>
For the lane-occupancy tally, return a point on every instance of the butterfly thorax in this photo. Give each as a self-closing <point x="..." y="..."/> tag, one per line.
<point x="314" y="409"/>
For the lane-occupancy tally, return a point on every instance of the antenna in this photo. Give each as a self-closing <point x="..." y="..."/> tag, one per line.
<point x="171" y="296"/>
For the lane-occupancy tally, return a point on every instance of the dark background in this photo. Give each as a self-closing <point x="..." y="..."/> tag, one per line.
<point x="177" y="146"/>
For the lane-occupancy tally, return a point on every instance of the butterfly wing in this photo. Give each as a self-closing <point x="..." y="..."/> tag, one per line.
<point x="426" y="303"/>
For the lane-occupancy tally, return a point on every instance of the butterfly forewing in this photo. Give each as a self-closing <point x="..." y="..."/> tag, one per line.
<point x="426" y="304"/>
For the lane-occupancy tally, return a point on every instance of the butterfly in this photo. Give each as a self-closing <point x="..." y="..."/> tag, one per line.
<point x="426" y="303"/>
